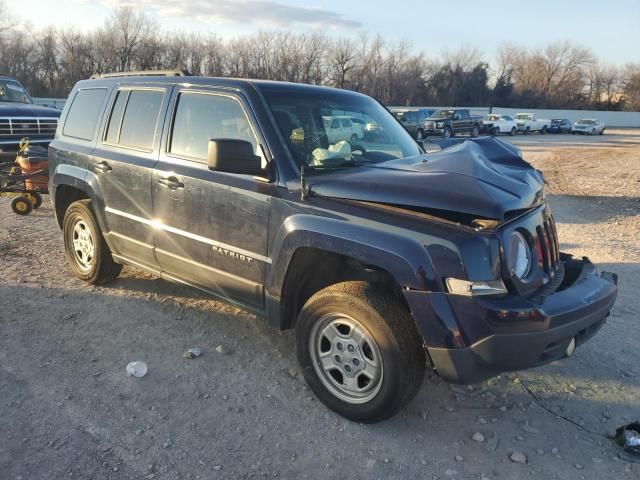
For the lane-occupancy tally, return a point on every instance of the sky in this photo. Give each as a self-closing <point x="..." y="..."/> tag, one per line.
<point x="611" y="28"/>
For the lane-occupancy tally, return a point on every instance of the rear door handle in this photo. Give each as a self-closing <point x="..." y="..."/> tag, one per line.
<point x="103" y="167"/>
<point x="172" y="183"/>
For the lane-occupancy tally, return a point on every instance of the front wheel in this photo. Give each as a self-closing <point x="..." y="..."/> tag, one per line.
<point x="474" y="131"/>
<point x="420" y="134"/>
<point x="527" y="131"/>
<point x="602" y="132"/>
<point x="513" y="131"/>
<point x="353" y="139"/>
<point x="446" y="133"/>
<point x="543" y="130"/>
<point x="88" y="255"/>
<point x="21" y="205"/>
<point x="360" y="351"/>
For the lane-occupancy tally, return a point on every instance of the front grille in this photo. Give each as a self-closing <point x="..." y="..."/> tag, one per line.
<point x="26" y="127"/>
<point x="548" y="247"/>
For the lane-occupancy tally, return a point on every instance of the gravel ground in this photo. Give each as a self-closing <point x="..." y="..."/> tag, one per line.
<point x="68" y="409"/>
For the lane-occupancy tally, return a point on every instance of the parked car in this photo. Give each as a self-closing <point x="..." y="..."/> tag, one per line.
<point x="447" y="123"/>
<point x="413" y="121"/>
<point x="343" y="128"/>
<point x="588" y="126"/>
<point x="495" y="124"/>
<point x="528" y="122"/>
<point x="20" y="118"/>
<point x="560" y="125"/>
<point x="382" y="258"/>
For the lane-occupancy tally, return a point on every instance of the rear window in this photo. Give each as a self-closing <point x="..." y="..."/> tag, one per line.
<point x="84" y="112"/>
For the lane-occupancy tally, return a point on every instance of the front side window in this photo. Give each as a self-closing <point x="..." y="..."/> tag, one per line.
<point x="200" y="117"/>
<point x="303" y="120"/>
<point x="83" y="114"/>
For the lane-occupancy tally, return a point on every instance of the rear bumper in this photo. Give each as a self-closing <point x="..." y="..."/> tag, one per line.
<point x="506" y="334"/>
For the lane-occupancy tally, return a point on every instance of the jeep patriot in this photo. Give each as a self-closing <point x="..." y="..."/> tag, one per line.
<point x="384" y="259"/>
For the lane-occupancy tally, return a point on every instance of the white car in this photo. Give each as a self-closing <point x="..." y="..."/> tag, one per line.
<point x="588" y="126"/>
<point x="527" y="123"/>
<point x="340" y="128"/>
<point x="495" y="124"/>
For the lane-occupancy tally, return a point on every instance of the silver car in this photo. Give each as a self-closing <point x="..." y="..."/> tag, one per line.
<point x="588" y="126"/>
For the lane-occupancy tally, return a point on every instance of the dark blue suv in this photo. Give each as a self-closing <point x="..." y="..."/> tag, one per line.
<point x="385" y="260"/>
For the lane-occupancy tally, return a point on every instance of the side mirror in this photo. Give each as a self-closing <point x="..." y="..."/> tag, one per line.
<point x="233" y="156"/>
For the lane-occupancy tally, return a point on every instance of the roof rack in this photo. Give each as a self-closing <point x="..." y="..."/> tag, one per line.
<point x="144" y="73"/>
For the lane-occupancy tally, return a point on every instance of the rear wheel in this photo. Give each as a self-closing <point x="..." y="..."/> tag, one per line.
<point x="21" y="205"/>
<point x="543" y="130"/>
<point x="527" y="130"/>
<point x="88" y="255"/>
<point x="360" y="351"/>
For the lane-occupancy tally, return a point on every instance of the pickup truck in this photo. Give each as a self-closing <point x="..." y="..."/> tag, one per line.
<point x="528" y="122"/>
<point x="20" y="118"/>
<point x="447" y="123"/>
<point x="384" y="259"/>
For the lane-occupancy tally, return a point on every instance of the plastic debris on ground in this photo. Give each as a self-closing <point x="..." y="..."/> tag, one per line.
<point x="194" y="352"/>
<point x="137" y="369"/>
<point x="628" y="437"/>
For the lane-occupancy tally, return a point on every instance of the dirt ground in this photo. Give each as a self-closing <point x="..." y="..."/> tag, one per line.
<point x="68" y="409"/>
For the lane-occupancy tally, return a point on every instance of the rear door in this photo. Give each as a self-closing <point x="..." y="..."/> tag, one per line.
<point x="122" y="163"/>
<point x="212" y="227"/>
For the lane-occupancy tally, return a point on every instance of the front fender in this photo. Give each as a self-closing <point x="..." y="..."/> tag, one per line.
<point x="402" y="257"/>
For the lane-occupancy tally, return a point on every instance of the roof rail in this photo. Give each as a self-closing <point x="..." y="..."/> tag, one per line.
<point x="144" y="73"/>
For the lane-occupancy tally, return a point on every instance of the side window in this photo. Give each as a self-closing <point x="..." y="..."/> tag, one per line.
<point x="134" y="118"/>
<point x="335" y="124"/>
<point x="201" y="117"/>
<point x="115" y="120"/>
<point x="84" y="112"/>
<point x="346" y="123"/>
<point x="140" y="119"/>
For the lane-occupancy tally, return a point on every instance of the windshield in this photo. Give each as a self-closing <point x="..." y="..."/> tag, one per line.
<point x="586" y="122"/>
<point x="11" y="91"/>
<point x="319" y="132"/>
<point x="557" y="121"/>
<point x="523" y="116"/>
<point x="442" y="114"/>
<point x="493" y="117"/>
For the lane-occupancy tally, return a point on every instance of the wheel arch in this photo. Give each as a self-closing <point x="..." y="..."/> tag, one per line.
<point x="315" y="252"/>
<point x="69" y="184"/>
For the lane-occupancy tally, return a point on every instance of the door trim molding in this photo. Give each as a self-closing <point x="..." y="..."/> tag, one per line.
<point x="157" y="224"/>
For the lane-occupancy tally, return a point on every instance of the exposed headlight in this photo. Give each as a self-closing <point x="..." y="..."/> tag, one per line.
<point x="469" y="289"/>
<point x="519" y="255"/>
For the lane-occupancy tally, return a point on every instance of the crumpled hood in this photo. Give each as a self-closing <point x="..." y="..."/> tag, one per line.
<point x="484" y="177"/>
<point x="11" y="109"/>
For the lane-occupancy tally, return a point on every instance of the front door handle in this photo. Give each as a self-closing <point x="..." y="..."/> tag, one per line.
<point x="103" y="167"/>
<point x="172" y="183"/>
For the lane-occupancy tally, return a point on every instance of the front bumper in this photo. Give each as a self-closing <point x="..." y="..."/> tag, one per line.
<point x="487" y="336"/>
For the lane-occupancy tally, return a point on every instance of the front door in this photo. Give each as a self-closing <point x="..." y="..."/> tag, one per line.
<point x="212" y="227"/>
<point x="122" y="162"/>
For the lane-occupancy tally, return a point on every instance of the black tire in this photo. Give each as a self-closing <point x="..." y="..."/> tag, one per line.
<point x="446" y="132"/>
<point x="473" y="133"/>
<point x="513" y="131"/>
<point x="394" y="335"/>
<point x="593" y="131"/>
<point x="21" y="205"/>
<point x="495" y="131"/>
<point x="420" y="134"/>
<point x="527" y="130"/>
<point x="353" y="139"/>
<point x="602" y="132"/>
<point x="543" y="130"/>
<point x="36" y="199"/>
<point x="101" y="268"/>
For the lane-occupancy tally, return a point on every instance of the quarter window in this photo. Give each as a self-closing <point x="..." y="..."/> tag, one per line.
<point x="84" y="112"/>
<point x="202" y="117"/>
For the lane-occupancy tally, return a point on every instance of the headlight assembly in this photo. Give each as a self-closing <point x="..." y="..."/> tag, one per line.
<point x="519" y="260"/>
